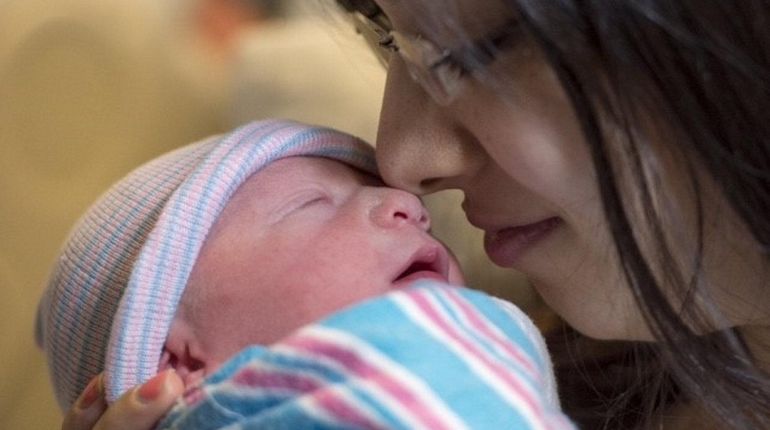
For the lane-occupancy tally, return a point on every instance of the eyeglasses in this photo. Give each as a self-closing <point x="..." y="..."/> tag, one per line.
<point x="440" y="71"/>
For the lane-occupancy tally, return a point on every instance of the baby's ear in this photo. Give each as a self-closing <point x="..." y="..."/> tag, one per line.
<point x="181" y="352"/>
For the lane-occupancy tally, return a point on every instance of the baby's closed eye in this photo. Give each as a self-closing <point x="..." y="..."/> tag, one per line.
<point x="300" y="201"/>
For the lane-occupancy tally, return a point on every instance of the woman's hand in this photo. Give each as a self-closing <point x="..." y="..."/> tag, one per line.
<point x="139" y="408"/>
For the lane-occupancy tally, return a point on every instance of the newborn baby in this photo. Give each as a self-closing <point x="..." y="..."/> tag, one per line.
<point x="301" y="238"/>
<point x="279" y="237"/>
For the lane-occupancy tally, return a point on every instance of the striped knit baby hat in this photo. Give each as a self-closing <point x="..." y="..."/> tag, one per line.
<point x="115" y="287"/>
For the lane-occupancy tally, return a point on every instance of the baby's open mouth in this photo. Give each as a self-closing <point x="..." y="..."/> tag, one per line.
<point x="430" y="262"/>
<point x="416" y="267"/>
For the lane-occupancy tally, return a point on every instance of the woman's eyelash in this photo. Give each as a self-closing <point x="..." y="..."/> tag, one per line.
<point x="455" y="65"/>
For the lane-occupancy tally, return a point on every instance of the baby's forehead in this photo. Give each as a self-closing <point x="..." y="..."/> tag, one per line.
<point x="286" y="177"/>
<point x="297" y="171"/>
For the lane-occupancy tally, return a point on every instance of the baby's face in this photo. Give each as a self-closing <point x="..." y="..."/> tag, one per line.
<point x="300" y="239"/>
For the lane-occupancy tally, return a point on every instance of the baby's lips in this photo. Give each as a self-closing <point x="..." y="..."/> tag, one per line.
<point x="428" y="262"/>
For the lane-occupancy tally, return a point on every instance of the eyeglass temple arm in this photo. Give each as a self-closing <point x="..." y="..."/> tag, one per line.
<point x="367" y="8"/>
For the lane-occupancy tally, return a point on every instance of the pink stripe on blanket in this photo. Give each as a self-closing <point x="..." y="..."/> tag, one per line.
<point x="513" y="384"/>
<point x="273" y="379"/>
<point x="485" y="328"/>
<point x="397" y="391"/>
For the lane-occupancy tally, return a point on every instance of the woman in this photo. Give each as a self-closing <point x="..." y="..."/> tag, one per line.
<point x="617" y="153"/>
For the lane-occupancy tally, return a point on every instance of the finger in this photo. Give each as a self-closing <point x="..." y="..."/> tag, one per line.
<point x="87" y="409"/>
<point x="142" y="407"/>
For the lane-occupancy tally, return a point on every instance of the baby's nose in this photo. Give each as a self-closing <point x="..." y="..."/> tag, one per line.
<point x="397" y="208"/>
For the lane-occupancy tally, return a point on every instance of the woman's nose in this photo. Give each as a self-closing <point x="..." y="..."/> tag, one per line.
<point x="420" y="148"/>
<point x="397" y="208"/>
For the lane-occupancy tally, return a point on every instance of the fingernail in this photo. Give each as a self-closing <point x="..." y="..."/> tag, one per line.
<point x="92" y="392"/>
<point x="152" y="389"/>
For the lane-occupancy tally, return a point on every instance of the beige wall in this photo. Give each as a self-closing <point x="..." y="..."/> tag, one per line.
<point x="86" y="93"/>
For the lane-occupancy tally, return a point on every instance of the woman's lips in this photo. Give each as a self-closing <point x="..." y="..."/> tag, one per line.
<point x="507" y="245"/>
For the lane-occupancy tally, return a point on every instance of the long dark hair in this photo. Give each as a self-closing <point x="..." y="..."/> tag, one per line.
<point x="702" y="69"/>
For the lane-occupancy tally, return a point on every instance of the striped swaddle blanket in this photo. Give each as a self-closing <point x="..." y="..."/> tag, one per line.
<point x="428" y="357"/>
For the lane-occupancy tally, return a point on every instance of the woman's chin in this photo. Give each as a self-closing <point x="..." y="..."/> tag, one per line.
<point x="593" y="316"/>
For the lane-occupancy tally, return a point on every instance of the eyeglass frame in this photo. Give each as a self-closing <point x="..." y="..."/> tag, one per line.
<point x="438" y="70"/>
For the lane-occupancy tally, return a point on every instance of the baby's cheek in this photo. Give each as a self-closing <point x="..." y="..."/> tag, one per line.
<point x="456" y="276"/>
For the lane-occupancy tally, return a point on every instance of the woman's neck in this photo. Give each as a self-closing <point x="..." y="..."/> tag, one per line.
<point x="689" y="416"/>
<point x="685" y="416"/>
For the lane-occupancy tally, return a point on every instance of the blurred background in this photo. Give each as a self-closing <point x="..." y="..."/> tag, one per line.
<point x="89" y="89"/>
